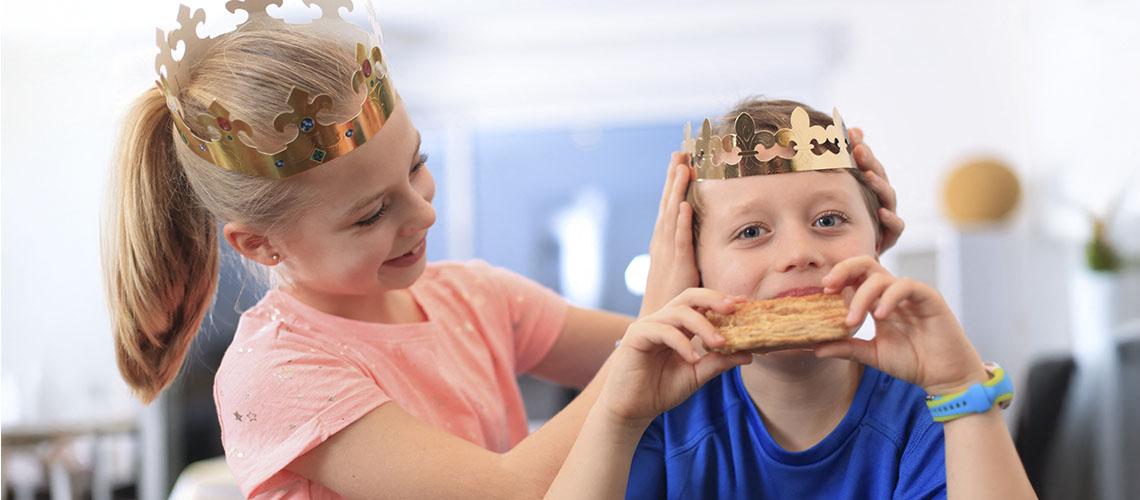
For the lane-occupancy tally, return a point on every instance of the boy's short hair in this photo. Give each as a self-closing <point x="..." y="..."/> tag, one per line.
<point x="773" y="115"/>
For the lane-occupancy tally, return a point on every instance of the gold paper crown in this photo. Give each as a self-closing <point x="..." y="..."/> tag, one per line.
<point x="734" y="155"/>
<point x="315" y="142"/>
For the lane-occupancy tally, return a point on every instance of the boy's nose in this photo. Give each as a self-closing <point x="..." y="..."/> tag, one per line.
<point x="796" y="251"/>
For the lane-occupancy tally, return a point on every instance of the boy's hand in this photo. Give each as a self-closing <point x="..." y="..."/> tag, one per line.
<point x="877" y="177"/>
<point x="672" y="265"/>
<point x="917" y="337"/>
<point x="656" y="367"/>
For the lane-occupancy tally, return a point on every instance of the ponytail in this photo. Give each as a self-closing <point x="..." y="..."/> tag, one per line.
<point x="160" y="240"/>
<point x="160" y="252"/>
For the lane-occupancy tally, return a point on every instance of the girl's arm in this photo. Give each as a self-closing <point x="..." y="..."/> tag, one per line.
<point x="585" y="342"/>
<point x="918" y="340"/>
<point x="389" y="453"/>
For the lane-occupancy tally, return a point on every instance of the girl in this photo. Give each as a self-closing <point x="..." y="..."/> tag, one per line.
<point x="365" y="373"/>
<point x="847" y="420"/>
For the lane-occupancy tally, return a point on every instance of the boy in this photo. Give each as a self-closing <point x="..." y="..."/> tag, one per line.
<point x="847" y="419"/>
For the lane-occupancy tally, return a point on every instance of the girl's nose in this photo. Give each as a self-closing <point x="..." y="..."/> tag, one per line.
<point x="422" y="217"/>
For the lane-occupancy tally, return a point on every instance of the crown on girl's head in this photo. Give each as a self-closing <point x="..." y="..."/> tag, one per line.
<point x="315" y="142"/>
<point x="735" y="155"/>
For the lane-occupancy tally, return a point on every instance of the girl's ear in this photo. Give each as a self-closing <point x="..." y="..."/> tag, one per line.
<point x="251" y="244"/>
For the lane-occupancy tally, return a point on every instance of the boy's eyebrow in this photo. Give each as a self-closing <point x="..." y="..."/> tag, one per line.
<point x="358" y="206"/>
<point x="824" y="194"/>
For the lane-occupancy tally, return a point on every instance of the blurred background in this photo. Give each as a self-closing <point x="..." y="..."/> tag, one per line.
<point x="1008" y="129"/>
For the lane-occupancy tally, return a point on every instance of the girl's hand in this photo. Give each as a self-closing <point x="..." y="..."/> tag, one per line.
<point x="672" y="266"/>
<point x="656" y="366"/>
<point x="917" y="338"/>
<point x="877" y="176"/>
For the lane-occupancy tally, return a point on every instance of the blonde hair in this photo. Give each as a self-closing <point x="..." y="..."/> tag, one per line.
<point x="773" y="115"/>
<point x="160" y="237"/>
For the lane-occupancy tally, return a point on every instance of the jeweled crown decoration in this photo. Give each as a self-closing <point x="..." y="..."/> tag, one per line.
<point x="315" y="142"/>
<point x="736" y="155"/>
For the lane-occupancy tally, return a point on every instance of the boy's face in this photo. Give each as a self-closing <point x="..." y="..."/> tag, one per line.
<point x="770" y="236"/>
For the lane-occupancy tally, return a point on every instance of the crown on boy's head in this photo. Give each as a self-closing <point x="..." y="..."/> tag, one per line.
<point x="315" y="142"/>
<point x="735" y="155"/>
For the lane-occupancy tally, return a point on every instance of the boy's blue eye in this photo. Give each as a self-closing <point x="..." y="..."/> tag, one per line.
<point x="830" y="220"/>
<point x="750" y="232"/>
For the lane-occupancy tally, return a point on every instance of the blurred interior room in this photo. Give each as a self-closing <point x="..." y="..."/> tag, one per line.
<point x="1006" y="127"/>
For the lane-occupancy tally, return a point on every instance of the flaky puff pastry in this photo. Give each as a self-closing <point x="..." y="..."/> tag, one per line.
<point x="783" y="323"/>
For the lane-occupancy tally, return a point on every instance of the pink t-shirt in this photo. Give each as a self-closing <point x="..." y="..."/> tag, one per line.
<point x="293" y="376"/>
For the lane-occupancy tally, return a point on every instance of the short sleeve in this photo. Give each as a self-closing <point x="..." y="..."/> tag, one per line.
<point x="535" y="314"/>
<point x="647" y="470"/>
<point x="922" y="466"/>
<point x="279" y="396"/>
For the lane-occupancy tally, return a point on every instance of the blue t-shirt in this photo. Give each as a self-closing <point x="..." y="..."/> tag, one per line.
<point x="714" y="445"/>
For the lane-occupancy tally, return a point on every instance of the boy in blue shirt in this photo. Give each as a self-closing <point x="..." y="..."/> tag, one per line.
<point x="847" y="419"/>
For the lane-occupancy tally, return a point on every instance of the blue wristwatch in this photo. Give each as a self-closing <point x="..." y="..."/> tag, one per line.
<point x="978" y="398"/>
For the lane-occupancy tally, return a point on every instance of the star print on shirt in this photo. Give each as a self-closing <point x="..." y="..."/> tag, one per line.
<point x="237" y="416"/>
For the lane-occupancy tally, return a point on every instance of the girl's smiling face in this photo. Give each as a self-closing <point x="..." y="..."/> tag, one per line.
<point x="770" y="236"/>
<point x="365" y="235"/>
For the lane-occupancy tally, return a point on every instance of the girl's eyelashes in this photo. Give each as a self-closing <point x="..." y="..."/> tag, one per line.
<point x="831" y="218"/>
<point x="372" y="219"/>
<point x="419" y="164"/>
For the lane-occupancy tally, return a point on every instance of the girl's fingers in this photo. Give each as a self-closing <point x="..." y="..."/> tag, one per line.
<point x="866" y="160"/>
<point x="862" y="351"/>
<point x="868" y="293"/>
<point x="850" y="272"/>
<point x="669" y="174"/>
<point x="892" y="228"/>
<point x="887" y="196"/>
<point x="684" y="234"/>
<point x="676" y="196"/>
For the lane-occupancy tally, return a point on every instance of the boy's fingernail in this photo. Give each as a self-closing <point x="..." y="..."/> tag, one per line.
<point x="852" y="317"/>
<point x="885" y="215"/>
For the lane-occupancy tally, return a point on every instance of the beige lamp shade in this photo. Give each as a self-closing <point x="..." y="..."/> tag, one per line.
<point x="980" y="190"/>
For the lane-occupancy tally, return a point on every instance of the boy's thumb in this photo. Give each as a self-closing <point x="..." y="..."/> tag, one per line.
<point x="853" y="349"/>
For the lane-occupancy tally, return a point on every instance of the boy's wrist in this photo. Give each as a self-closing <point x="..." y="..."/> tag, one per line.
<point x="618" y="423"/>
<point x="975" y="376"/>
<point x="977" y="398"/>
